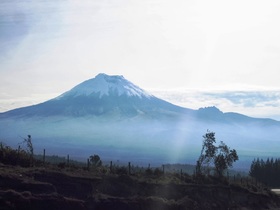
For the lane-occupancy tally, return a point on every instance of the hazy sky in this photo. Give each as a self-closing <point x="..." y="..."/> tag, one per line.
<point x="48" y="46"/>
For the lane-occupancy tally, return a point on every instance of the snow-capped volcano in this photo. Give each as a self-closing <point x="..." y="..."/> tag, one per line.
<point x="104" y="84"/>
<point x="101" y="95"/>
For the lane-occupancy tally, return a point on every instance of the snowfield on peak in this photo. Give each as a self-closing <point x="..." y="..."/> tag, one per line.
<point x="104" y="84"/>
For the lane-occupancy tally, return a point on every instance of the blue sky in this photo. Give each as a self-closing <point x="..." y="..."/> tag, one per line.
<point x="223" y="53"/>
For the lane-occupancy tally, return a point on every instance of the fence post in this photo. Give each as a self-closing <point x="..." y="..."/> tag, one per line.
<point x="68" y="160"/>
<point x="44" y="157"/>
<point x="227" y="176"/>
<point x="88" y="164"/>
<point x="181" y="175"/>
<point x="17" y="153"/>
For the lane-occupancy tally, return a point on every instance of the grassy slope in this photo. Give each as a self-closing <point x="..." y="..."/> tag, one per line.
<point x="53" y="188"/>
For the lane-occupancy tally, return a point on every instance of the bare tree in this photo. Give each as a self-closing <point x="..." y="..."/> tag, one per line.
<point x="28" y="142"/>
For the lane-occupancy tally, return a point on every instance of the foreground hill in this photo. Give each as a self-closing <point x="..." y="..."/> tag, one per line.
<point x="52" y="188"/>
<point x="112" y="117"/>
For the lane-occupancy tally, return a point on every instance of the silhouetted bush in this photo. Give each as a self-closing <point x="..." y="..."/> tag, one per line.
<point x="14" y="157"/>
<point x="149" y="171"/>
<point x="122" y="170"/>
<point x="158" y="172"/>
<point x="61" y="165"/>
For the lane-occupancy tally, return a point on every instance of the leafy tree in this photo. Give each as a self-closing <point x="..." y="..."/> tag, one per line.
<point x="95" y="161"/>
<point x="224" y="158"/>
<point x="207" y="152"/>
<point x="221" y="156"/>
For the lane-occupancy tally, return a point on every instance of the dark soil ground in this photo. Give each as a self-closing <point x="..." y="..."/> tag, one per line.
<point x="54" y="188"/>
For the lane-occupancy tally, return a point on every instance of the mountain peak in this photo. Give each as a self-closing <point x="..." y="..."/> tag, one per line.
<point x="109" y="78"/>
<point x="210" y="110"/>
<point x="104" y="84"/>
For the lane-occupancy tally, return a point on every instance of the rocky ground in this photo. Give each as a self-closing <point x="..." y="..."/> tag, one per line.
<point x="51" y="188"/>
